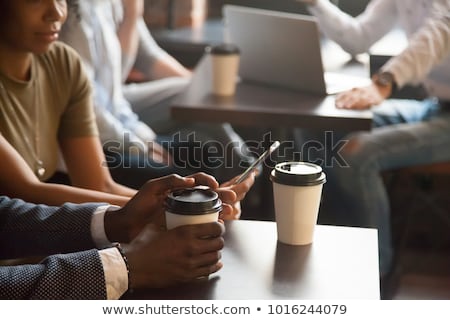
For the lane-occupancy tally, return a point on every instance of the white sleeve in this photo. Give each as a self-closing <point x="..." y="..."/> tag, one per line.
<point x="98" y="226"/>
<point x="355" y="34"/>
<point x="114" y="267"/>
<point x="426" y="48"/>
<point x="116" y="273"/>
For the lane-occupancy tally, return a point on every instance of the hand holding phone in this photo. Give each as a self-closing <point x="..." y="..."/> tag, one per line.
<point x="261" y="158"/>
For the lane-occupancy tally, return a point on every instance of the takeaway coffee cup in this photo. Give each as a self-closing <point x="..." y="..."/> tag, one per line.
<point x="297" y="189"/>
<point x="225" y="66"/>
<point x="192" y="206"/>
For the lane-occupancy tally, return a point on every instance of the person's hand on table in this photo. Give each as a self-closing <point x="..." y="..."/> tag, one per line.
<point x="232" y="194"/>
<point x="159" y="258"/>
<point x="362" y="98"/>
<point x="147" y="206"/>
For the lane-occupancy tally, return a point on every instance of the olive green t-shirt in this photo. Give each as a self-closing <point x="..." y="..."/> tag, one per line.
<point x="56" y="103"/>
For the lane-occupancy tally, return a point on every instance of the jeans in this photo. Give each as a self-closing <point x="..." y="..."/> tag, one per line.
<point x="405" y="133"/>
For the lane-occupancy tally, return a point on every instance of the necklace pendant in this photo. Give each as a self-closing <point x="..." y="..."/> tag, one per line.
<point x="40" y="172"/>
<point x="40" y="169"/>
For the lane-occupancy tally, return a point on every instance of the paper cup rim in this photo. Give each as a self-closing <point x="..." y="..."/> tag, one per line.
<point x="284" y="177"/>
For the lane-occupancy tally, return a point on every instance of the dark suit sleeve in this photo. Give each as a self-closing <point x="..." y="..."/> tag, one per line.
<point x="64" y="276"/>
<point x="29" y="230"/>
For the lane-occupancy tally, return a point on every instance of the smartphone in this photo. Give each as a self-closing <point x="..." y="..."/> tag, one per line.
<point x="261" y="158"/>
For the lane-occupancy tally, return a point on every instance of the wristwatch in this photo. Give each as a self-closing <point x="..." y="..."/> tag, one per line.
<point x="385" y="79"/>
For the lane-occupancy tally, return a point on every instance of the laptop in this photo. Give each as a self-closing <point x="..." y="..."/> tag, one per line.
<point x="282" y="49"/>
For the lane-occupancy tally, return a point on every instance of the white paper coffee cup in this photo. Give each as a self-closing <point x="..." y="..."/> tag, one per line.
<point x="225" y="65"/>
<point x="192" y="206"/>
<point x="297" y="190"/>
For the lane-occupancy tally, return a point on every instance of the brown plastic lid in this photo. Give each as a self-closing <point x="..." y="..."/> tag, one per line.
<point x="224" y="49"/>
<point x="194" y="201"/>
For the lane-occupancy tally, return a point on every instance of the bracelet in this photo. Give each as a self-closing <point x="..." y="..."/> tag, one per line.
<point x="125" y="259"/>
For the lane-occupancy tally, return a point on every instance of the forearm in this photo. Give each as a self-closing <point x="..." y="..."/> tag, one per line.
<point x="129" y="42"/>
<point x="355" y="35"/>
<point x="57" y="194"/>
<point x="122" y="190"/>
<point x="426" y="49"/>
<point x="169" y="67"/>
<point x="153" y="61"/>
<point x="23" y="224"/>
<point x="57" y="277"/>
<point x="71" y="228"/>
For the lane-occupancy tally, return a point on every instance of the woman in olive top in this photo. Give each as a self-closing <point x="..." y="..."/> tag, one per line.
<point x="46" y="106"/>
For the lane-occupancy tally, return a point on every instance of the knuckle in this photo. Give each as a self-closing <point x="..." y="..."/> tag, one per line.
<point x="173" y="177"/>
<point x="221" y="243"/>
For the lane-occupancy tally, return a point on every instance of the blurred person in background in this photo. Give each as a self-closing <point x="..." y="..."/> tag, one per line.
<point x="405" y="132"/>
<point x="112" y="39"/>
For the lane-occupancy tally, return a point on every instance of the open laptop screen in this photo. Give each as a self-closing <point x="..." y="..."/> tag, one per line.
<point x="283" y="49"/>
<point x="277" y="48"/>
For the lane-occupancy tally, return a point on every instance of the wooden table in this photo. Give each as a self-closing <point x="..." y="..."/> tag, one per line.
<point x="263" y="106"/>
<point x="259" y="105"/>
<point x="342" y="263"/>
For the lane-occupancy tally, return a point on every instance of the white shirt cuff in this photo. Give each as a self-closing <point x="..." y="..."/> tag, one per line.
<point x="116" y="273"/>
<point x="98" y="227"/>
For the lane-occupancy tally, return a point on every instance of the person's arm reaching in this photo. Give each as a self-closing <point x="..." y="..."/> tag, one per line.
<point x="139" y="47"/>
<point x="428" y="46"/>
<point x="426" y="49"/>
<point x="153" y="61"/>
<point x="18" y="180"/>
<point x="354" y="35"/>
